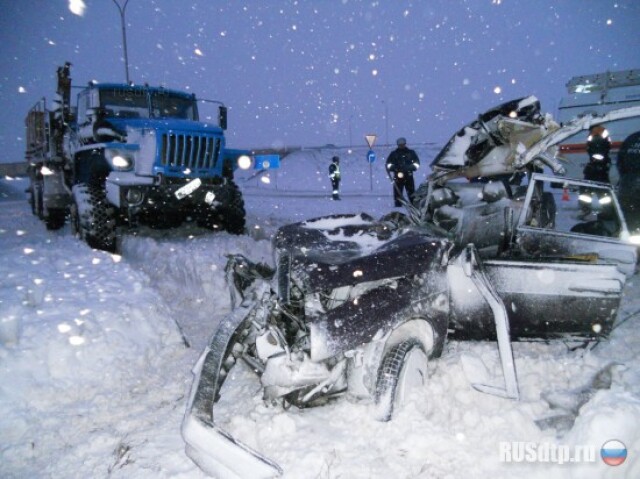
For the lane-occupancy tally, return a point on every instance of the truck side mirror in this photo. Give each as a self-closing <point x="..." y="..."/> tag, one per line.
<point x="222" y="117"/>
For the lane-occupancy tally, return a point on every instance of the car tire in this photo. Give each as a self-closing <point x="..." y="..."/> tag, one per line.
<point x="402" y="370"/>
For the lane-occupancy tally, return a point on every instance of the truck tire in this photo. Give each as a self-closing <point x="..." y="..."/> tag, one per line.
<point x="55" y="218"/>
<point x="229" y="215"/>
<point x="36" y="200"/>
<point x="32" y="201"/>
<point x="403" y="369"/>
<point x="93" y="218"/>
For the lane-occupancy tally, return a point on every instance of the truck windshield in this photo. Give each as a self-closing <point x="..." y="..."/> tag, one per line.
<point x="166" y="105"/>
<point x="134" y="103"/>
<point x="124" y="102"/>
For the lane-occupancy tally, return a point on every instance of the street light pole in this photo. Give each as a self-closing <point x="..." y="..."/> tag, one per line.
<point x="121" y="9"/>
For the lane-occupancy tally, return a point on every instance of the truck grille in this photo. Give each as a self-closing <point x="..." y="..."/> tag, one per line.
<point x="189" y="151"/>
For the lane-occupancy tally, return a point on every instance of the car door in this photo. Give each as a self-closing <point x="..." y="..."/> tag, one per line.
<point x="593" y="232"/>
<point x="553" y="281"/>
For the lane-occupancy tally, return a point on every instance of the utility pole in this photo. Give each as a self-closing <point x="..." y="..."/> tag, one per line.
<point x="121" y="9"/>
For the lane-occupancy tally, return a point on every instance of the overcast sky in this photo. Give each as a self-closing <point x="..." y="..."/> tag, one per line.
<point x="317" y="72"/>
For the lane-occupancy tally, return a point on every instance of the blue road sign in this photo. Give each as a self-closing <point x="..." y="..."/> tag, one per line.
<point x="267" y="162"/>
<point x="371" y="156"/>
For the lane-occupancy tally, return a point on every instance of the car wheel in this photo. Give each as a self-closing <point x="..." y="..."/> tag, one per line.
<point x="402" y="370"/>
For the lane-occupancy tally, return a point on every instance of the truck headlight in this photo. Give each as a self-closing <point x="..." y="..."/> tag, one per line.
<point x="244" y="162"/>
<point x="120" y="160"/>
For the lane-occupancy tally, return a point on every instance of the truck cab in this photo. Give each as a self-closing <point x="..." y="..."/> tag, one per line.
<point x="119" y="118"/>
<point x="131" y="154"/>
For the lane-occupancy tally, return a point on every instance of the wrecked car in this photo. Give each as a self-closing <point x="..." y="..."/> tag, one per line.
<point x="360" y="306"/>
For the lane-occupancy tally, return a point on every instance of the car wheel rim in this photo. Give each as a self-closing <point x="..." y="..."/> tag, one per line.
<point x="413" y="375"/>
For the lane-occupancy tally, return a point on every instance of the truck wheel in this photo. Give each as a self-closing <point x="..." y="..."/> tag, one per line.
<point x="36" y="201"/>
<point x="93" y="218"/>
<point x="233" y="214"/>
<point x="55" y="219"/>
<point x="402" y="370"/>
<point x="229" y="215"/>
<point x="32" y="201"/>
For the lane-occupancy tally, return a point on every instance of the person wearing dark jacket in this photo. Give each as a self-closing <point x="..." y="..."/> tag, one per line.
<point x="629" y="185"/>
<point x="598" y="147"/>
<point x="401" y="164"/>
<point x="334" y="175"/>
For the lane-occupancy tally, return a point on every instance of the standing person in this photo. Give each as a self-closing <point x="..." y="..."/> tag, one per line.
<point x="597" y="169"/>
<point x="401" y="164"/>
<point x="629" y="184"/>
<point x="598" y="147"/>
<point x="334" y="175"/>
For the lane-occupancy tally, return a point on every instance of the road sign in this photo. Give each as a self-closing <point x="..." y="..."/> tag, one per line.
<point x="371" y="156"/>
<point x="371" y="139"/>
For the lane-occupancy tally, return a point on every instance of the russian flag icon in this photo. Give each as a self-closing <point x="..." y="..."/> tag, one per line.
<point x="613" y="452"/>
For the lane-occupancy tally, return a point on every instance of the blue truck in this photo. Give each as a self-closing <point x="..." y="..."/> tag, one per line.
<point x="128" y="155"/>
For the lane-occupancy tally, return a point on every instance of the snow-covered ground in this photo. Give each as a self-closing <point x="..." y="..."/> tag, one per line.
<point x="96" y="352"/>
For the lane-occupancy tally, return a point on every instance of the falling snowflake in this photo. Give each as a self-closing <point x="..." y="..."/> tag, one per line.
<point x="497" y="90"/>
<point x="77" y="7"/>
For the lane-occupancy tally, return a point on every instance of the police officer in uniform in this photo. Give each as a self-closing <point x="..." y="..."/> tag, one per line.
<point x="598" y="147"/>
<point x="334" y="175"/>
<point x="401" y="164"/>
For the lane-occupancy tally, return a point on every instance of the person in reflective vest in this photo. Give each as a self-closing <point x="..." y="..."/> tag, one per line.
<point x="598" y="147"/>
<point x="401" y="164"/>
<point x="334" y="175"/>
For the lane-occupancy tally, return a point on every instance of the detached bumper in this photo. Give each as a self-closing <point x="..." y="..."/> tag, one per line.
<point x="217" y="453"/>
<point x="214" y="450"/>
